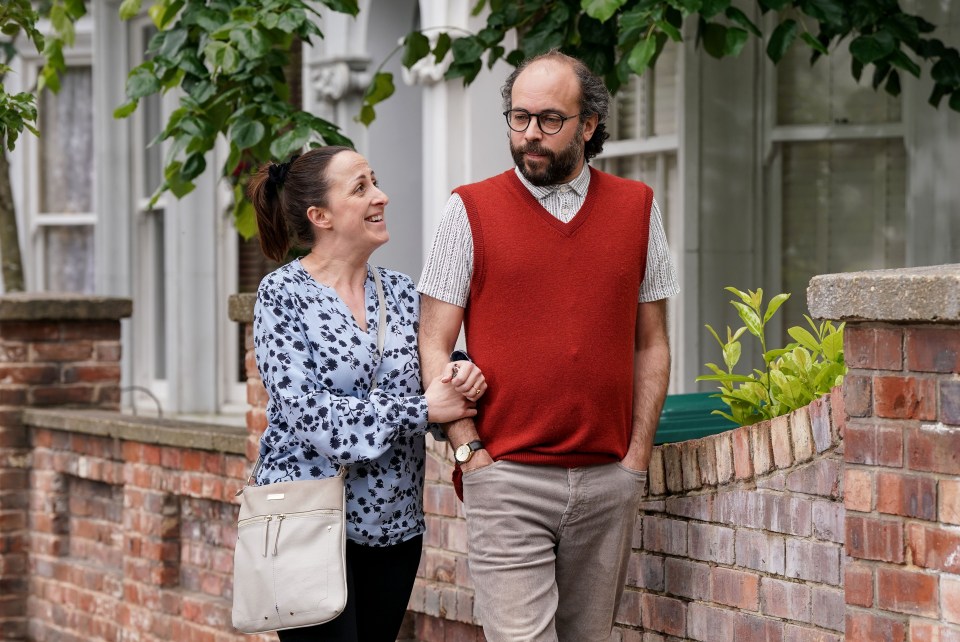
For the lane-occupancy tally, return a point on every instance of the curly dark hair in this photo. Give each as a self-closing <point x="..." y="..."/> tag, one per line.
<point x="594" y="96"/>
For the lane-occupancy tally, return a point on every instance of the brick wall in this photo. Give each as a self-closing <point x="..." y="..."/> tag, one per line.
<point x="901" y="450"/>
<point x="840" y="521"/>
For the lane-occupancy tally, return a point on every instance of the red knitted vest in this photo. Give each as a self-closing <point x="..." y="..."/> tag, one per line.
<point x="550" y="318"/>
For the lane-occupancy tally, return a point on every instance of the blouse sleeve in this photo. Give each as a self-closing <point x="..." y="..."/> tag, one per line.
<point x="344" y="428"/>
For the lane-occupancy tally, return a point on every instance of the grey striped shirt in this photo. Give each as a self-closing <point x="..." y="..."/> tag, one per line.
<point x="449" y="268"/>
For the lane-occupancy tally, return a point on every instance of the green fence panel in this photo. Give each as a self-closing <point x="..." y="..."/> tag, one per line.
<point x="688" y="416"/>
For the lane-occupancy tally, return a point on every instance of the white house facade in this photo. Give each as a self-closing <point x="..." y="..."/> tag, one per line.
<point x="766" y="176"/>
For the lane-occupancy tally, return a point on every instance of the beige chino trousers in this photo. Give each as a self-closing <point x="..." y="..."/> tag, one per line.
<point x="548" y="548"/>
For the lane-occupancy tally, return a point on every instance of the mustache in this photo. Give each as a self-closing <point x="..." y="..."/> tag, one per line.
<point x="535" y="148"/>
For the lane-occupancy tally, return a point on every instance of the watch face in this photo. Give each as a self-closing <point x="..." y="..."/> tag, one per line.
<point x="462" y="453"/>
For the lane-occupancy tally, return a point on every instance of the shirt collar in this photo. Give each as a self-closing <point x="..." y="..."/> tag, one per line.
<point x="579" y="184"/>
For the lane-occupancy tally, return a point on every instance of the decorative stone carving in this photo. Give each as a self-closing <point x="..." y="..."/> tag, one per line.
<point x="337" y="78"/>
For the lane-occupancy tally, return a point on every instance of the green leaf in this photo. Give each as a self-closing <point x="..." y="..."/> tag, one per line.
<point x="292" y="141"/>
<point x="244" y="216"/>
<point x="142" y="82"/>
<point x="739" y="17"/>
<point x="250" y="42"/>
<point x="774" y="305"/>
<point x="381" y="88"/>
<point x="750" y="318"/>
<point x="415" y="47"/>
<point x="163" y="12"/>
<point x="710" y="8"/>
<point x="804" y="338"/>
<point x="735" y="40"/>
<point x="833" y="346"/>
<point x="642" y="54"/>
<point x="783" y="36"/>
<point x="129" y="9"/>
<point x="247" y="133"/>
<point x="815" y="44"/>
<point x="349" y="7"/>
<point x="601" y="10"/>
<point x="125" y="109"/>
<point x="731" y="354"/>
<point x="714" y="37"/>
<point x="726" y="377"/>
<point x="173" y="41"/>
<point x="194" y="166"/>
<point x="442" y="47"/>
<point x="873" y="47"/>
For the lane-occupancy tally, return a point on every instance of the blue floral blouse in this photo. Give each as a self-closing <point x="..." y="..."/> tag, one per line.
<point x="318" y="367"/>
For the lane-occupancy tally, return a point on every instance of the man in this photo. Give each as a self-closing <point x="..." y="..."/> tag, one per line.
<point x="545" y="265"/>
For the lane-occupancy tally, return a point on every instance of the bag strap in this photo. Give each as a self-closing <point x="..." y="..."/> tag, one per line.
<point x="381" y="303"/>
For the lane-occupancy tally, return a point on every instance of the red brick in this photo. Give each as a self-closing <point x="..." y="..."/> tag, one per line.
<point x="925" y="631"/>
<point x="858" y="489"/>
<point x="706" y="622"/>
<point x="656" y="482"/>
<point x="872" y="627"/>
<point x="672" y="468"/>
<point x="933" y="349"/>
<point x="873" y="444"/>
<point x="933" y="448"/>
<point x="256" y="394"/>
<point x="29" y="331"/>
<point x="91" y="373"/>
<point x="949" y="501"/>
<point x="792" y="633"/>
<point x="742" y="465"/>
<point x="95" y="330"/>
<point x="752" y="628"/>
<point x="800" y="434"/>
<point x="688" y="465"/>
<point x="62" y="395"/>
<point x="857" y="395"/>
<point x="934" y="547"/>
<point x="710" y="543"/>
<point x="873" y="348"/>
<point x="107" y="351"/>
<point x="736" y="588"/>
<point x="907" y="495"/>
<point x="664" y="614"/>
<point x="664" y="535"/>
<point x="827" y="608"/>
<point x="28" y="373"/>
<point x="911" y="592"/>
<point x="813" y="561"/>
<point x="780" y="441"/>
<point x="760" y="447"/>
<point x="61" y="351"/>
<point x="950" y="598"/>
<point x="707" y="461"/>
<point x="790" y="600"/>
<point x="839" y="417"/>
<point x="905" y="398"/>
<point x="687" y="579"/>
<point x="950" y="402"/>
<point x="723" y="445"/>
<point x="821" y="477"/>
<point x="858" y="584"/>
<point x="13" y="395"/>
<point x="874" y="539"/>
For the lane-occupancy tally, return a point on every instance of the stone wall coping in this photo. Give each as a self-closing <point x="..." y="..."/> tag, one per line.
<point x="49" y="306"/>
<point x="240" y="307"/>
<point x="930" y="294"/>
<point x="148" y="430"/>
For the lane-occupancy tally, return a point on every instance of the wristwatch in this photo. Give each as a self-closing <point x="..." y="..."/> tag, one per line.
<point x="463" y="453"/>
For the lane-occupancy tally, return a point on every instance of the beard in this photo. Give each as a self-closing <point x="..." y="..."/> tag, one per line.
<point x="559" y="165"/>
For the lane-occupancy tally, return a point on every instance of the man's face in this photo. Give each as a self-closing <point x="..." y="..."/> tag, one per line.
<point x="549" y="159"/>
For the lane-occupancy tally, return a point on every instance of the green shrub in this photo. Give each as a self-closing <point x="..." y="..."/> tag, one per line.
<point x="792" y="376"/>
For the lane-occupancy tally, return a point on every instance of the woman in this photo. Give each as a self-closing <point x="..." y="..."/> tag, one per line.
<point x="333" y="398"/>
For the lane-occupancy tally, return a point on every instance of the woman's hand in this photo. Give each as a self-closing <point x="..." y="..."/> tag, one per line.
<point x="453" y="395"/>
<point x="466" y="378"/>
<point x="445" y="403"/>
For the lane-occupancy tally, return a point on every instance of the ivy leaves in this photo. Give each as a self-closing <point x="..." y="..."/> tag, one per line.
<point x="230" y="60"/>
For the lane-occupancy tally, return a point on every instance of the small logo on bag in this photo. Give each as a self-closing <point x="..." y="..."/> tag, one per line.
<point x="275" y="496"/>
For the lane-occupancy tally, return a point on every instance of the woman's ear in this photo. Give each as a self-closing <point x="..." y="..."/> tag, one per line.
<point x="319" y="217"/>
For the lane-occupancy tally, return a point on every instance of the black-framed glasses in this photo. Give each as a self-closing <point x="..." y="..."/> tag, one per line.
<point x="549" y="122"/>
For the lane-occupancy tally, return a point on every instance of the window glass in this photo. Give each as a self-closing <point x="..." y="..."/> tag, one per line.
<point x="69" y="259"/>
<point x="66" y="145"/>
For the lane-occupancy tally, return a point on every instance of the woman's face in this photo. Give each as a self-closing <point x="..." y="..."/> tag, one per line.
<point x="355" y="205"/>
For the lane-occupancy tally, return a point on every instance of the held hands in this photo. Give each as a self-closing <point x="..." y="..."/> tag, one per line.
<point x="453" y="395"/>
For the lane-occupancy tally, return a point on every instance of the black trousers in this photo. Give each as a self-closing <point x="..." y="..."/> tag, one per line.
<point x="379" y="583"/>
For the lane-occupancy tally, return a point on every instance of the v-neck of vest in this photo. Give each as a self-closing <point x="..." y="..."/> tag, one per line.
<point x="567" y="229"/>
